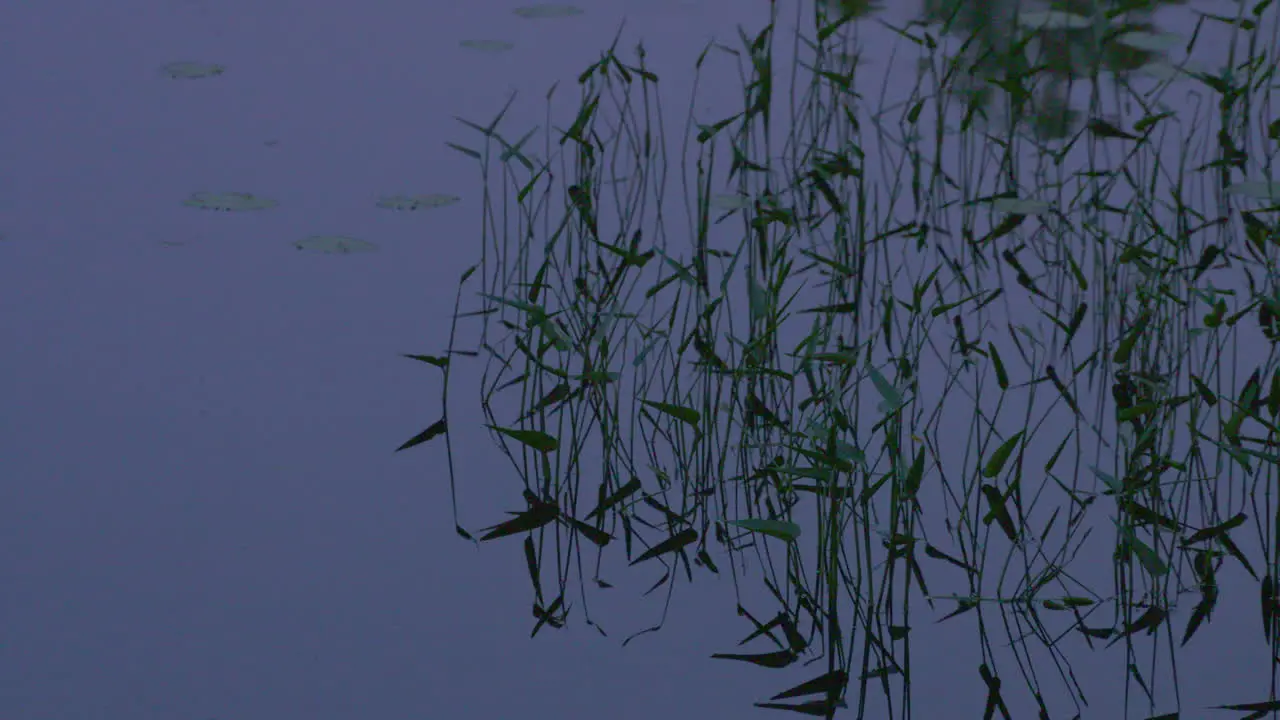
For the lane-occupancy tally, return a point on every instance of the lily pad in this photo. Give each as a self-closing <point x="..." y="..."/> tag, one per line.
<point x="1054" y="20"/>
<point x="228" y="201"/>
<point x="1256" y="189"/>
<point x="188" y="70"/>
<point x="847" y="59"/>
<point x="547" y="10"/>
<point x="728" y="201"/>
<point x="1019" y="206"/>
<point x="416" y="202"/>
<point x="1160" y="70"/>
<point x="335" y="245"/>
<point x="1151" y="42"/>
<point x="487" y="46"/>
<point x="781" y="529"/>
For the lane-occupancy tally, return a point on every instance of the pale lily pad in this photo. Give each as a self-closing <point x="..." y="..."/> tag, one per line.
<point x="1053" y="20"/>
<point x="892" y="399"/>
<point x="1019" y="206"/>
<point x="729" y="201"/>
<point x="187" y="70"/>
<point x="416" y="202"/>
<point x="1164" y="70"/>
<point x="1151" y="42"/>
<point x="1160" y="70"/>
<point x="1256" y="189"/>
<point x="758" y="298"/>
<point x="487" y="46"/>
<point x="848" y="59"/>
<point x="781" y="529"/>
<point x="228" y="202"/>
<point x="547" y="10"/>
<point x="335" y="245"/>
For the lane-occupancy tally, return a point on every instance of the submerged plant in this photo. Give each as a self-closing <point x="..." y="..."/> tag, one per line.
<point x="810" y="436"/>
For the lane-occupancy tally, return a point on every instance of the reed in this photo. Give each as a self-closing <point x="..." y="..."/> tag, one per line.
<point x="865" y="451"/>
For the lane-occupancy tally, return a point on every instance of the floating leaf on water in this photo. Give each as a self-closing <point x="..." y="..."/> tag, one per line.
<point x="1151" y="42"/>
<point x="781" y="529"/>
<point x="679" y="412"/>
<point x="335" y="245"/>
<point x="758" y="297"/>
<point x="1111" y="481"/>
<point x="440" y="427"/>
<point x="228" y="201"/>
<point x="892" y="398"/>
<point x="547" y="10"/>
<point x="842" y="59"/>
<point x="1102" y="128"/>
<point x="1001" y="455"/>
<point x="1160" y="70"/>
<point x="852" y="9"/>
<point x="775" y="659"/>
<point x="1191" y="67"/>
<point x="535" y="439"/>
<point x="1166" y="70"/>
<point x="1019" y="206"/>
<point x="1256" y="189"/>
<point x="186" y="70"/>
<point x="416" y="202"/>
<point x="729" y="201"/>
<point x="1054" y="20"/>
<point x="487" y="46"/>
<point x="671" y="544"/>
